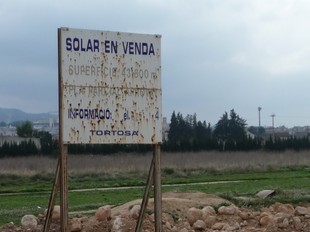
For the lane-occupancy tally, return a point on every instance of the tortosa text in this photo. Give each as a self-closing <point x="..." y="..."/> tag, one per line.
<point x="114" y="132"/>
<point x="110" y="46"/>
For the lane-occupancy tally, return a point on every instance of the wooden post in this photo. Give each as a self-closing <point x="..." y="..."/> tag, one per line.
<point x="63" y="189"/>
<point x="157" y="189"/>
<point x="145" y="197"/>
<point x="52" y="199"/>
<point x="63" y="148"/>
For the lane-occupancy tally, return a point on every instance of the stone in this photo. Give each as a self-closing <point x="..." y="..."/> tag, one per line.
<point x="267" y="220"/>
<point x="210" y="221"/>
<point x="199" y="225"/>
<point x="283" y="208"/>
<point x="184" y="230"/>
<point x="117" y="224"/>
<point x="29" y="221"/>
<point x="55" y="214"/>
<point x="75" y="225"/>
<point x="287" y="208"/>
<point x="207" y="211"/>
<point x="301" y="211"/>
<point x="236" y="226"/>
<point x="246" y="215"/>
<point x="228" y="210"/>
<point x="168" y="225"/>
<point x="265" y="194"/>
<point x="193" y="214"/>
<point x="297" y="223"/>
<point x="135" y="211"/>
<point x="279" y="217"/>
<point x="284" y="224"/>
<point x="263" y="214"/>
<point x="220" y="226"/>
<point x="103" y="213"/>
<point x="244" y="223"/>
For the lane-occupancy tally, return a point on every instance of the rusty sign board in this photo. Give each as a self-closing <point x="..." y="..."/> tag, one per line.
<point x="110" y="87"/>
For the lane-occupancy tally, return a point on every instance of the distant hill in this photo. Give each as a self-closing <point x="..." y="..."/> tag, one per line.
<point x="13" y="115"/>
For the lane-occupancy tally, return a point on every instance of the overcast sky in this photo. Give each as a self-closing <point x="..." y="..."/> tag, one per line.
<point x="217" y="55"/>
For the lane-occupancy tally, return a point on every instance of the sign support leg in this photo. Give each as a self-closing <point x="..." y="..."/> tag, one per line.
<point x="145" y="197"/>
<point x="52" y="199"/>
<point x="63" y="147"/>
<point x="63" y="188"/>
<point x="157" y="189"/>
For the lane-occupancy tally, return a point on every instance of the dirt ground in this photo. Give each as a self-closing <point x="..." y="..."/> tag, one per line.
<point x="178" y="211"/>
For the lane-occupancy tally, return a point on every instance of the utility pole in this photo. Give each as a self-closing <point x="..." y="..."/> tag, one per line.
<point x="273" y="116"/>
<point x="259" y="109"/>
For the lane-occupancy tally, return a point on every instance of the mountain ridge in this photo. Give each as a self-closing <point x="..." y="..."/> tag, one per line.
<point x="9" y="115"/>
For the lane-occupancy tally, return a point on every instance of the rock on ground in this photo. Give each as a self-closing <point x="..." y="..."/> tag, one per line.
<point x="191" y="214"/>
<point x="29" y="220"/>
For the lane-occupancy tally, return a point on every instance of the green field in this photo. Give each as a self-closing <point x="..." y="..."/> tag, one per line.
<point x="26" y="182"/>
<point x="29" y="195"/>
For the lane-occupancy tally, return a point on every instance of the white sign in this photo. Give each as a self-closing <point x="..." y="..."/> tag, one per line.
<point x="110" y="87"/>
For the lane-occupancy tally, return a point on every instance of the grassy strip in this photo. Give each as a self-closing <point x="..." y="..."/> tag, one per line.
<point x="13" y="207"/>
<point x="43" y="182"/>
<point x="291" y="185"/>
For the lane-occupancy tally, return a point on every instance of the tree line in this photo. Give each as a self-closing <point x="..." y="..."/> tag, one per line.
<point x="189" y="134"/>
<point x="228" y="134"/>
<point x="185" y="134"/>
<point x="24" y="148"/>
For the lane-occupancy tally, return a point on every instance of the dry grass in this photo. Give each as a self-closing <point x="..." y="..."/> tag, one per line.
<point x="27" y="165"/>
<point x="236" y="160"/>
<point x="141" y="163"/>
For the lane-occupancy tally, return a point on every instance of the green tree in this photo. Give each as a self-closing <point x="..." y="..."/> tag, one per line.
<point x="25" y="129"/>
<point x="237" y="126"/>
<point x="180" y="132"/>
<point x="46" y="141"/>
<point x="221" y="130"/>
<point x="173" y="131"/>
<point x="187" y="133"/>
<point x="230" y="130"/>
<point x="202" y="136"/>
